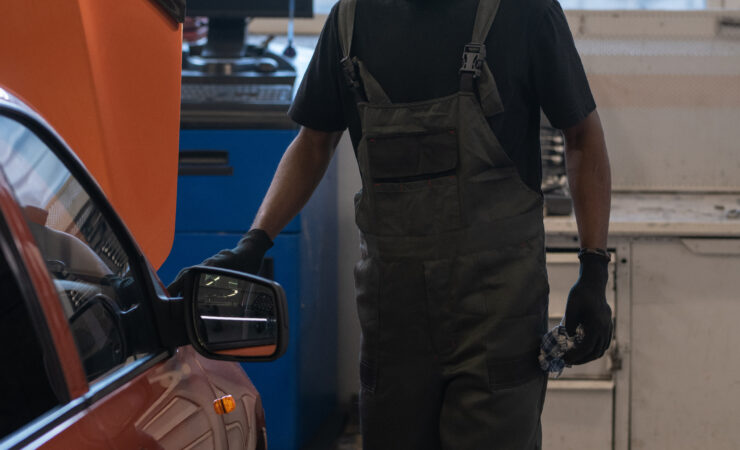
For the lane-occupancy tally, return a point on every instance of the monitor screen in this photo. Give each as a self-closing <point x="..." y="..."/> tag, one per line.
<point x="248" y="8"/>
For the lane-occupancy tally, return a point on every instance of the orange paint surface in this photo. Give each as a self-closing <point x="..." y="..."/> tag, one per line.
<point x="262" y="350"/>
<point x="106" y="76"/>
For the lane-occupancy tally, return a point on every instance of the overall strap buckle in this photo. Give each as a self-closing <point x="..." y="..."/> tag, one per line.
<point x="474" y="56"/>
<point x="349" y="68"/>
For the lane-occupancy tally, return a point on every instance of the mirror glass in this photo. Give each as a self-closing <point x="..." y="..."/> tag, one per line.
<point x="236" y="317"/>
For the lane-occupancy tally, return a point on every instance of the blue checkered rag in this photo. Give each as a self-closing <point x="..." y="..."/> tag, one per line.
<point x="554" y="345"/>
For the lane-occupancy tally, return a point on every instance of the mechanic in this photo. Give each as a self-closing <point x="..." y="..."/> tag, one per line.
<point x="452" y="290"/>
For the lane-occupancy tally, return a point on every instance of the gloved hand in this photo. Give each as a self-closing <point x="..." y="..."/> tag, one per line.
<point x="587" y="306"/>
<point x="245" y="257"/>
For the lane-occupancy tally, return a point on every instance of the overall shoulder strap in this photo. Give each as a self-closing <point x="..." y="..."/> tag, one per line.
<point x="356" y="75"/>
<point x="487" y="10"/>
<point x="474" y="68"/>
<point x="346" y="25"/>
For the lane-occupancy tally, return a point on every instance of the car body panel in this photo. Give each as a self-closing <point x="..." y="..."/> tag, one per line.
<point x="171" y="405"/>
<point x="81" y="431"/>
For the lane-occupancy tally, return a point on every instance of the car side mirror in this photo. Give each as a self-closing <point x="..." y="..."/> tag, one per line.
<point x="235" y="316"/>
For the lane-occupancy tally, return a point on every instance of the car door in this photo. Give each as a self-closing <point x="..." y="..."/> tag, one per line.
<point x="122" y="388"/>
<point x="31" y="410"/>
<point x="43" y="390"/>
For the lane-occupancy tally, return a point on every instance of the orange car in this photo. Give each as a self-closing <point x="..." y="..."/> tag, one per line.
<point x="94" y="353"/>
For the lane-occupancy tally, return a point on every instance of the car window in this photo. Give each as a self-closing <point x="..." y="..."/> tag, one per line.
<point x="101" y="297"/>
<point x="25" y="388"/>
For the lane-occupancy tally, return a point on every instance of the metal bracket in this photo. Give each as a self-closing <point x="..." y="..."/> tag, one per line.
<point x="615" y="358"/>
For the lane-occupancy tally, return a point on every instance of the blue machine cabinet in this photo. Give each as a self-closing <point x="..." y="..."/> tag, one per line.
<point x="224" y="175"/>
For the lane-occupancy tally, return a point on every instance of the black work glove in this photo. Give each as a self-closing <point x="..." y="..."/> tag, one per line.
<point x="245" y="257"/>
<point x="587" y="306"/>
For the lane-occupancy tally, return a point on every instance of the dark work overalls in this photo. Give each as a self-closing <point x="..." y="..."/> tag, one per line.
<point x="451" y="289"/>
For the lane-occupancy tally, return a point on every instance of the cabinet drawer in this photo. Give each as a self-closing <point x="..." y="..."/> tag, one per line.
<point x="578" y="414"/>
<point x="224" y="174"/>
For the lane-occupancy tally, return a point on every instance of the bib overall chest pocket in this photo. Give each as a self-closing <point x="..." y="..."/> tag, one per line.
<point x="413" y="184"/>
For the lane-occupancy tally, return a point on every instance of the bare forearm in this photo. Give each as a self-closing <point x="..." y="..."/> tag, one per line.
<point x="589" y="178"/>
<point x="299" y="172"/>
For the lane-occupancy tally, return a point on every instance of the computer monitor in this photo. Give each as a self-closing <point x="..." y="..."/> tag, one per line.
<point x="248" y="8"/>
<point x="228" y="19"/>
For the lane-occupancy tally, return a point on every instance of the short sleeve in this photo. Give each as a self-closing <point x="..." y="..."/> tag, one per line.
<point x="559" y="78"/>
<point x="318" y="102"/>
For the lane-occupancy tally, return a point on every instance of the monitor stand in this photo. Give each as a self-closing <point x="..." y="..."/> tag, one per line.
<point x="226" y="53"/>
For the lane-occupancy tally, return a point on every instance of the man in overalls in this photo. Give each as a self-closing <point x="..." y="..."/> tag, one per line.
<point x="452" y="290"/>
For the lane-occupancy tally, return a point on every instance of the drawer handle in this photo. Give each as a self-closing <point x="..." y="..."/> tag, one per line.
<point x="204" y="162"/>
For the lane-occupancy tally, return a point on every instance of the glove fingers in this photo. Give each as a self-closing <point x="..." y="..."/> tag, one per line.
<point x="571" y="323"/>
<point x="223" y="259"/>
<point x="571" y="356"/>
<point x="580" y="353"/>
<point x="598" y="347"/>
<point x="608" y="340"/>
<point x="586" y="356"/>
<point x="228" y="259"/>
<point x="579" y="358"/>
<point x="604" y="341"/>
<point x="175" y="288"/>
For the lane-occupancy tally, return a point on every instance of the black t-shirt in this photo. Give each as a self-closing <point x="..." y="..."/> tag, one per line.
<point x="414" y="49"/>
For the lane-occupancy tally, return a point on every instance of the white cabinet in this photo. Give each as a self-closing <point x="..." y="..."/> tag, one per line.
<point x="578" y="414"/>
<point x="685" y="334"/>
<point x="579" y="406"/>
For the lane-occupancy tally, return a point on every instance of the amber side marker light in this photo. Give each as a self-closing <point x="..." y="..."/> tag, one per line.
<point x="224" y="405"/>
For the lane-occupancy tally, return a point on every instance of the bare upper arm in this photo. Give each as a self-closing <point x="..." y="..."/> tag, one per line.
<point x="585" y="131"/>
<point x="325" y="140"/>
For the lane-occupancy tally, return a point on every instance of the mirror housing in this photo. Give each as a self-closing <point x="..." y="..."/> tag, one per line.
<point x="234" y="316"/>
